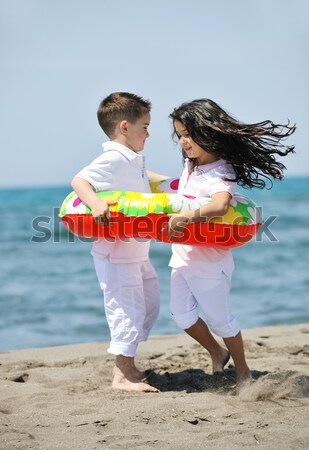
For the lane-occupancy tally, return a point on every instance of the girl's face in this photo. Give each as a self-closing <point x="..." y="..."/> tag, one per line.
<point x="191" y="149"/>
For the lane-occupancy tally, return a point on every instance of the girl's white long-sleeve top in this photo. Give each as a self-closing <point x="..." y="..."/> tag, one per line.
<point x="204" y="181"/>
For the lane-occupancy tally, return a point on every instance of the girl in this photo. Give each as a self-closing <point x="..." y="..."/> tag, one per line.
<point x="219" y="152"/>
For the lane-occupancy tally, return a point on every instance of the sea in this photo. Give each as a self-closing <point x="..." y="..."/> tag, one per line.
<point x="50" y="296"/>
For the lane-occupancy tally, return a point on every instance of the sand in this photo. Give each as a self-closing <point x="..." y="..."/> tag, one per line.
<point x="60" y="397"/>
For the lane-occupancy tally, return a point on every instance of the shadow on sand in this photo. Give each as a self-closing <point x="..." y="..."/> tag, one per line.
<point x="196" y="380"/>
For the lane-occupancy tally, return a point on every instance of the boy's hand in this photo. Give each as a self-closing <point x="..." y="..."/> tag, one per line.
<point x="175" y="225"/>
<point x="100" y="212"/>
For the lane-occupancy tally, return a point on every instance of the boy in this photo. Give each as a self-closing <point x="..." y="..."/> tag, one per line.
<point x="126" y="276"/>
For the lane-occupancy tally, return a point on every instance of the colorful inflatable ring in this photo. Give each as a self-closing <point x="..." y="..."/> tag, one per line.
<point x="142" y="215"/>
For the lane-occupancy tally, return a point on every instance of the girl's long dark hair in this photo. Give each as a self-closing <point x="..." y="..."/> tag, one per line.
<point x="250" y="148"/>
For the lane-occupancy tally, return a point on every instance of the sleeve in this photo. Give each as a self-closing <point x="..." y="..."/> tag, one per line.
<point x="101" y="172"/>
<point x="218" y="184"/>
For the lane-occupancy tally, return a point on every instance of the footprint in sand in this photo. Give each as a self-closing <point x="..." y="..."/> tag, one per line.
<point x="21" y="378"/>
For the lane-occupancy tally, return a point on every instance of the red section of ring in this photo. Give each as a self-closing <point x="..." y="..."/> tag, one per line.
<point x="210" y="234"/>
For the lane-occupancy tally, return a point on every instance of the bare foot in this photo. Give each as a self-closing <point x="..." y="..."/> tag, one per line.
<point x="128" y="378"/>
<point x="133" y="386"/>
<point x="220" y="361"/>
<point x="139" y="374"/>
<point x="243" y="377"/>
<point x="130" y="383"/>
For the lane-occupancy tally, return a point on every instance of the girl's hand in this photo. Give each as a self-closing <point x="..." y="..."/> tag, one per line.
<point x="175" y="225"/>
<point x="101" y="213"/>
<point x="177" y="222"/>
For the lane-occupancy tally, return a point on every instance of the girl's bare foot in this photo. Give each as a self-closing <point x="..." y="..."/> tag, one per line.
<point x="243" y="377"/>
<point x="219" y="355"/>
<point x="219" y="361"/>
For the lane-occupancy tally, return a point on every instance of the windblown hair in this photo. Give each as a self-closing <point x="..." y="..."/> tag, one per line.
<point x="250" y="148"/>
<point x="120" y="106"/>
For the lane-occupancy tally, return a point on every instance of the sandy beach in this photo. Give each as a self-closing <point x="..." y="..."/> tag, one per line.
<point x="60" y="397"/>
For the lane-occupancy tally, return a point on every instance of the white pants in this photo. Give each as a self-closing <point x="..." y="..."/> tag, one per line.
<point x="131" y="302"/>
<point x="211" y="294"/>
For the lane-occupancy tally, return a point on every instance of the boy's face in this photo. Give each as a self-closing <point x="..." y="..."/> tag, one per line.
<point x="137" y="133"/>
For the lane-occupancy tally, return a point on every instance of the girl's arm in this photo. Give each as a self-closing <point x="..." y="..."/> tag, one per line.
<point x="99" y="208"/>
<point x="153" y="176"/>
<point x="217" y="208"/>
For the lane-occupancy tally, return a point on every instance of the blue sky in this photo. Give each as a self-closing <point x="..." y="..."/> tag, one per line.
<point x="59" y="58"/>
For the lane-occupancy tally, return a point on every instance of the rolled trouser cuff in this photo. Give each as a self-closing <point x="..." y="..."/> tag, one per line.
<point x="225" y="331"/>
<point x="187" y="319"/>
<point x="120" y="348"/>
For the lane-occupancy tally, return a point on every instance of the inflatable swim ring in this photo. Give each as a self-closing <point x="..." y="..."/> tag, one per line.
<point x="142" y="215"/>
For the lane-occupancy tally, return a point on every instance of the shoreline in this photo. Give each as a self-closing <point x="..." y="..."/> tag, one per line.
<point x="60" y="397"/>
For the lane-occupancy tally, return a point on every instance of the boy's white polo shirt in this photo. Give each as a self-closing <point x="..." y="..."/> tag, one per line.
<point x="118" y="168"/>
<point x="198" y="260"/>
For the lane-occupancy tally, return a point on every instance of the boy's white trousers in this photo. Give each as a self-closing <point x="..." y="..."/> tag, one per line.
<point x="131" y="302"/>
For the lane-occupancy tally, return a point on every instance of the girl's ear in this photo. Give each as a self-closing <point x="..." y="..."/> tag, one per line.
<point x="123" y="127"/>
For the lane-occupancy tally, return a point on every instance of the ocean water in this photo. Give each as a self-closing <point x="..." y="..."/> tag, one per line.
<point x="50" y="295"/>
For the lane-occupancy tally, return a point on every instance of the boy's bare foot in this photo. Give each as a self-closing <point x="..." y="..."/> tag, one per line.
<point x="140" y="375"/>
<point x="129" y="378"/>
<point x="129" y="386"/>
<point x="130" y="383"/>
<point x="220" y="361"/>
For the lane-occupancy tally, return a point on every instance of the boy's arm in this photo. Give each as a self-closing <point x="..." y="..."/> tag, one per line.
<point x="99" y="208"/>
<point x="153" y="176"/>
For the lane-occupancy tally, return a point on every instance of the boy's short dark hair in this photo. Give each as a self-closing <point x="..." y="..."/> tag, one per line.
<point x="120" y="106"/>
